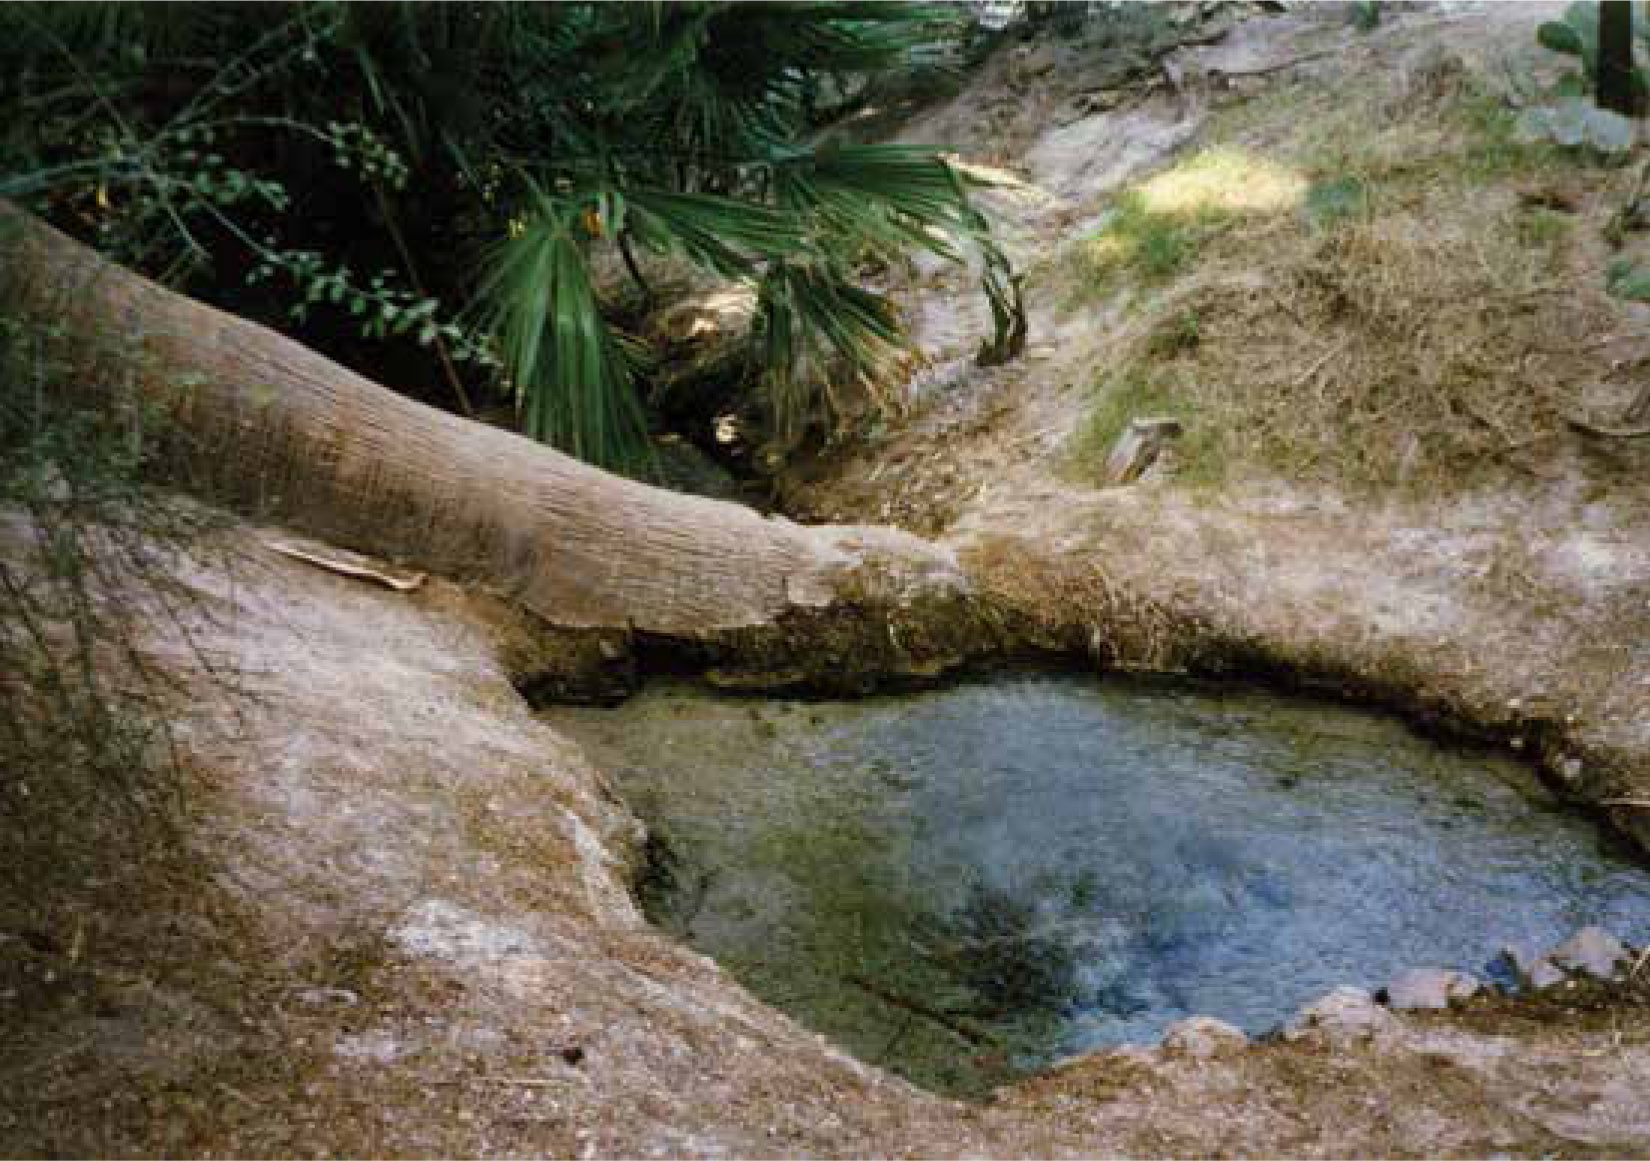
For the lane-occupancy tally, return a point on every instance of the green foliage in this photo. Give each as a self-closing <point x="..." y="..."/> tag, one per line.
<point x="1626" y="279"/>
<point x="81" y="729"/>
<point x="1566" y="36"/>
<point x="1180" y="332"/>
<point x="1568" y="116"/>
<point x="477" y="156"/>
<point x="1336" y="199"/>
<point x="549" y="329"/>
<point x="1137" y="242"/>
<point x="1543" y="228"/>
<point x="1576" y="33"/>
<point x="1366" y="15"/>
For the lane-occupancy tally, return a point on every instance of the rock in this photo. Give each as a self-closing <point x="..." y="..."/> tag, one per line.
<point x="1544" y="975"/>
<point x="1526" y="968"/>
<point x="1344" y="1017"/>
<point x="320" y="996"/>
<point x="1142" y="441"/>
<point x="1030" y="62"/>
<point x="1592" y="950"/>
<point x="1429" y="988"/>
<point x="1203" y="1038"/>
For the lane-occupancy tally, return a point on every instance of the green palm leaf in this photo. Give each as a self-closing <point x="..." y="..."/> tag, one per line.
<point x="728" y="235"/>
<point x="573" y="377"/>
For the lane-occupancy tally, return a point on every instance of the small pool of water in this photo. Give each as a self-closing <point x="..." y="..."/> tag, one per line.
<point x="964" y="884"/>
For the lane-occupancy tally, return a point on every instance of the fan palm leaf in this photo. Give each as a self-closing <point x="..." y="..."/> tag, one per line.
<point x="574" y="378"/>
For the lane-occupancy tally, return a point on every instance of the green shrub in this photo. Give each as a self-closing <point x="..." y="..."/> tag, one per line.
<point x="88" y="538"/>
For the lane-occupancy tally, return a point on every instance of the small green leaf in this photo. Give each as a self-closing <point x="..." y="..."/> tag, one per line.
<point x="1635" y="286"/>
<point x="1625" y="280"/>
<point x="1559" y="38"/>
<point x="1570" y="85"/>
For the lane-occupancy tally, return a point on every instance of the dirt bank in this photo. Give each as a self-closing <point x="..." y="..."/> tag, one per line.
<point x="404" y="930"/>
<point x="1379" y="495"/>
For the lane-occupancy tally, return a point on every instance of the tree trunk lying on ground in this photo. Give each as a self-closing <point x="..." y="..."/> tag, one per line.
<point x="284" y="433"/>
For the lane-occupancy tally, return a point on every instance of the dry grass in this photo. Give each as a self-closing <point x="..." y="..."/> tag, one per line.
<point x="1387" y="314"/>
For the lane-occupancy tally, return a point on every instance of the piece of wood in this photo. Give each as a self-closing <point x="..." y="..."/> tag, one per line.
<point x="1639" y="409"/>
<point x="1587" y="428"/>
<point x="917" y="1007"/>
<point x="350" y="564"/>
<point x="1138" y="448"/>
<point x="263" y="423"/>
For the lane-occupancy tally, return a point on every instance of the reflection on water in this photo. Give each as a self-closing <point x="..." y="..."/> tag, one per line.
<point x="965" y="883"/>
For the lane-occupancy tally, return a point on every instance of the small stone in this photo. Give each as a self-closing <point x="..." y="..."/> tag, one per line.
<point x="1429" y="988"/>
<point x="329" y="996"/>
<point x="1030" y="61"/>
<point x="1528" y="969"/>
<point x="1545" y="975"/>
<point x="1344" y="1017"/>
<point x="1592" y="950"/>
<point x="1203" y="1038"/>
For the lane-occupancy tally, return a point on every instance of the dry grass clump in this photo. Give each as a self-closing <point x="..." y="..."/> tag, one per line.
<point x="1394" y="351"/>
<point x="1409" y="324"/>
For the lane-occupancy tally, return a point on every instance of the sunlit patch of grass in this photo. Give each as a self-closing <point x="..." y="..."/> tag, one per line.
<point x="1223" y="182"/>
<point x="1156" y="231"/>
<point x="1347" y="286"/>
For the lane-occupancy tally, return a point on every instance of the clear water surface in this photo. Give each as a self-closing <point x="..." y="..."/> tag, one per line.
<point x="967" y="883"/>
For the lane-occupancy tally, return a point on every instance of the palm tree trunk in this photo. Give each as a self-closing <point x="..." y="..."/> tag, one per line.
<point x="282" y="432"/>
<point x="1615" y="81"/>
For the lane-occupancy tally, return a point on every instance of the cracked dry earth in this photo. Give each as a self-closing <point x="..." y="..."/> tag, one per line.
<point x="399" y="922"/>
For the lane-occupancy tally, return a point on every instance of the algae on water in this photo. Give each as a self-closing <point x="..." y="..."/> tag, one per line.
<point x="965" y="884"/>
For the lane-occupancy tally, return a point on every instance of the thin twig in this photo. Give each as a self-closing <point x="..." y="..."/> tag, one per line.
<point x="1317" y="366"/>
<point x="418" y="286"/>
<point x="918" y="1008"/>
<point x="1281" y="66"/>
<point x="1586" y="428"/>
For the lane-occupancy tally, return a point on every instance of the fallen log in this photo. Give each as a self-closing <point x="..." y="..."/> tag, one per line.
<point x="284" y="434"/>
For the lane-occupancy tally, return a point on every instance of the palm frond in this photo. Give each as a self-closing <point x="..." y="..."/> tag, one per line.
<point x="814" y="326"/>
<point x="892" y="195"/>
<point x="898" y="196"/>
<point x="728" y="235"/>
<point x="573" y="377"/>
